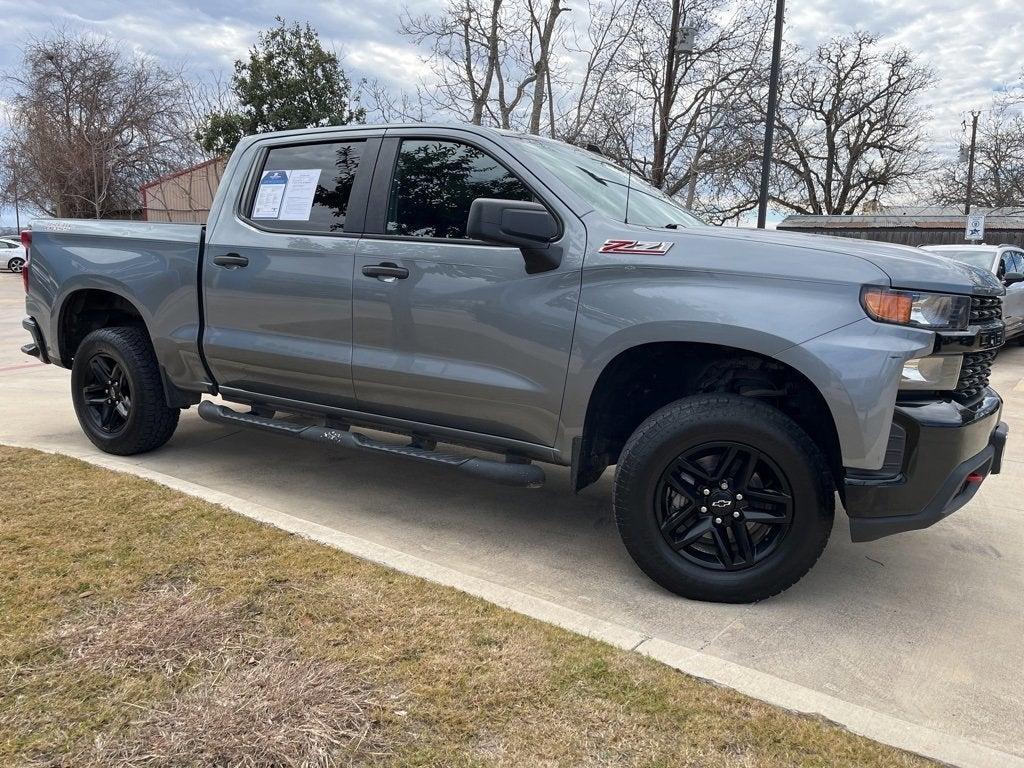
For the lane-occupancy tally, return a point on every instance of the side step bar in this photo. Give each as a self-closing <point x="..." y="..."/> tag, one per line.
<point x="522" y="475"/>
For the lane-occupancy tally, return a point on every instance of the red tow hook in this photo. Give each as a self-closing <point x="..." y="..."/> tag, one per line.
<point x="975" y="478"/>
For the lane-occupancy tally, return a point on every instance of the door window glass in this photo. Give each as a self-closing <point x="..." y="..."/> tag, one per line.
<point x="306" y="187"/>
<point x="435" y="182"/>
<point x="1005" y="264"/>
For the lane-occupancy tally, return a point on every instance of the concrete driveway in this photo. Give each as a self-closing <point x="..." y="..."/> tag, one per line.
<point x="926" y="627"/>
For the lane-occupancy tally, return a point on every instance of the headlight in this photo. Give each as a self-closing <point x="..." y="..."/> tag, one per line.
<point x="935" y="311"/>
<point x="940" y="372"/>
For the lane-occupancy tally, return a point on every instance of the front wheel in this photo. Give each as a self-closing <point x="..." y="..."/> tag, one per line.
<point x="16" y="264"/>
<point x="118" y="392"/>
<point x="723" y="498"/>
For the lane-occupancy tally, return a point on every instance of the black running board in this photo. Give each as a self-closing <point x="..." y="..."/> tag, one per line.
<point x="522" y="475"/>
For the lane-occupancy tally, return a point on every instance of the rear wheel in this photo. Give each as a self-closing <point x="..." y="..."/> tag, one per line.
<point x="16" y="264"/>
<point x="723" y="498"/>
<point x="118" y="393"/>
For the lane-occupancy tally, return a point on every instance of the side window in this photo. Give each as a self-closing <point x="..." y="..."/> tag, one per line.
<point x="1005" y="264"/>
<point x="436" y="181"/>
<point x="1018" y="261"/>
<point x="306" y="187"/>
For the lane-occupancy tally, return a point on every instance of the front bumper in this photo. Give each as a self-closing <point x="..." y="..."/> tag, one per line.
<point x="940" y="452"/>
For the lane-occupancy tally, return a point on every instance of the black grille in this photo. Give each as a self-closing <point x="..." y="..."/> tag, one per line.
<point x="985" y="309"/>
<point x="975" y="372"/>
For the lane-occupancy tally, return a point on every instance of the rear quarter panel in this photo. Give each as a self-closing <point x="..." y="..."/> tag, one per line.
<point x="153" y="266"/>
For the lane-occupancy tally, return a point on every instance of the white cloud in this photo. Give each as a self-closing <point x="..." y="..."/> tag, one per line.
<point x="974" y="46"/>
<point x="399" y="64"/>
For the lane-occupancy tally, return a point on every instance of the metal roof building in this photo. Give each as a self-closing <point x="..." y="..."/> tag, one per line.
<point x="913" y="226"/>
<point x="184" y="196"/>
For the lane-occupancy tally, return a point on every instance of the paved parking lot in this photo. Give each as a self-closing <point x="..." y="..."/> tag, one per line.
<point x="926" y="627"/>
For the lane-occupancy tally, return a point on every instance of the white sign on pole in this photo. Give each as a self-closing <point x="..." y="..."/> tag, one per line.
<point x="975" y="227"/>
<point x="686" y="41"/>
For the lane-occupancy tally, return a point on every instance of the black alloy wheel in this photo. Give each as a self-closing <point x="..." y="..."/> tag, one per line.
<point x="107" y="394"/>
<point x="723" y="498"/>
<point x="724" y="506"/>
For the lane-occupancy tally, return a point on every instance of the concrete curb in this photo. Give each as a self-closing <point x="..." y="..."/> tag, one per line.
<point x="953" y="750"/>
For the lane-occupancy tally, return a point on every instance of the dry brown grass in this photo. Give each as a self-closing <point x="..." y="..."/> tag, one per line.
<point x="170" y="628"/>
<point x="247" y="697"/>
<point x="277" y="711"/>
<point x="142" y="627"/>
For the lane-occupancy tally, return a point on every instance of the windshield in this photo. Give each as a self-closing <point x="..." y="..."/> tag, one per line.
<point x="604" y="185"/>
<point x="983" y="259"/>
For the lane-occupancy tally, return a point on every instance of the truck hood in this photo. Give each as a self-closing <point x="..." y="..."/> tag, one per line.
<point x="906" y="267"/>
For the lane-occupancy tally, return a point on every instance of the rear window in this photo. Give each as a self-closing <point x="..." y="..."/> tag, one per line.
<point x="306" y="188"/>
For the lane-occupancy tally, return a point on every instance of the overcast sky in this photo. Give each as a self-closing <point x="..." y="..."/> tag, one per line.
<point x="974" y="46"/>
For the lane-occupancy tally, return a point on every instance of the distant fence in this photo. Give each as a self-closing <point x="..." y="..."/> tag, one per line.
<point x="1002" y="230"/>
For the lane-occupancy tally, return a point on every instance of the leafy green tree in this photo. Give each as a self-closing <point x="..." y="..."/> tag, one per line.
<point x="289" y="81"/>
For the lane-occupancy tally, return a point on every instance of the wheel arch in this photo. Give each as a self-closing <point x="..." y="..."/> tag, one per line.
<point x="642" y="378"/>
<point x="87" y="309"/>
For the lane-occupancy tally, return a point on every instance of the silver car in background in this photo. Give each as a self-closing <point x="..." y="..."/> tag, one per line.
<point x="1004" y="261"/>
<point x="12" y="253"/>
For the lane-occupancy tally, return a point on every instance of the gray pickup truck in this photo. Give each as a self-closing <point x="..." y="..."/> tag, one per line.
<point x="527" y="300"/>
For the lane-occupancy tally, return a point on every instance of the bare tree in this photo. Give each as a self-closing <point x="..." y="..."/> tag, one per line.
<point x="185" y="196"/>
<point x="999" y="165"/>
<point x="850" y="126"/>
<point x="491" y="60"/>
<point x="686" y="123"/>
<point x="90" y="123"/>
<point x="600" y="50"/>
<point x="543" y="24"/>
<point x="384" y="105"/>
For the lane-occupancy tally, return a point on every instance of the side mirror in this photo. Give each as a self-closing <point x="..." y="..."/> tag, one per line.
<point x="528" y="226"/>
<point x="1012" y="278"/>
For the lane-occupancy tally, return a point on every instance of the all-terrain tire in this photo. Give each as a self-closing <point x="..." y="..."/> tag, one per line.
<point x="150" y="422"/>
<point x="688" y="425"/>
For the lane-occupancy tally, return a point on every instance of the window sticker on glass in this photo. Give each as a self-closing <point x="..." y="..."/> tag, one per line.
<point x="270" y="194"/>
<point x="298" y="194"/>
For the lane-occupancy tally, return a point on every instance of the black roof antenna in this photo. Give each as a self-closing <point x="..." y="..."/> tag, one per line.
<point x="632" y="142"/>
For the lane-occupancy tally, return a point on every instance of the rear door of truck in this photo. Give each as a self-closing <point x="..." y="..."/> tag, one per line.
<point x="277" y="277"/>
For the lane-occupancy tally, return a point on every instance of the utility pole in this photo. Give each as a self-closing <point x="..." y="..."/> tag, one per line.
<point x="773" y="105"/>
<point x="17" y="206"/>
<point x="970" y="162"/>
<point x="658" y="169"/>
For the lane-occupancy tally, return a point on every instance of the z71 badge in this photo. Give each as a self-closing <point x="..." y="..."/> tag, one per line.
<point x="635" y="248"/>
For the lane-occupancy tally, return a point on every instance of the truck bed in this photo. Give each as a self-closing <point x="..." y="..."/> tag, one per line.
<point x="153" y="266"/>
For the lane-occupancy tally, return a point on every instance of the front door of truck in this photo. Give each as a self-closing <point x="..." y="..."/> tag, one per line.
<point x="451" y="331"/>
<point x="277" y="276"/>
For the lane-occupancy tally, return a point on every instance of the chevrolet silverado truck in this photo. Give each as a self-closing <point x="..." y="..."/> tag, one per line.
<point x="532" y="302"/>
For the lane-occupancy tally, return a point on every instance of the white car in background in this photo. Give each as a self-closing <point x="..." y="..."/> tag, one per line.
<point x="1007" y="263"/>
<point x="12" y="253"/>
